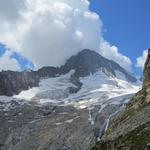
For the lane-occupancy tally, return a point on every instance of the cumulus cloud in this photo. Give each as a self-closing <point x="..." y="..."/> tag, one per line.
<point x="140" y="61"/>
<point x="112" y="52"/>
<point x="48" y="32"/>
<point x="7" y="62"/>
<point x="10" y="10"/>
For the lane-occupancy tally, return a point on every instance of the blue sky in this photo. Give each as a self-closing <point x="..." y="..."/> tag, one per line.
<point x="24" y="63"/>
<point x="127" y="24"/>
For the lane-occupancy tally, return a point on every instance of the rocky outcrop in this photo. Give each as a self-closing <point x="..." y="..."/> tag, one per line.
<point x="84" y="63"/>
<point x="47" y="72"/>
<point x="14" y="82"/>
<point x="131" y="130"/>
<point x="147" y="72"/>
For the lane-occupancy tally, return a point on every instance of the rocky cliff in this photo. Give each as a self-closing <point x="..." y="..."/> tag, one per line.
<point x="131" y="130"/>
<point x="14" y="82"/>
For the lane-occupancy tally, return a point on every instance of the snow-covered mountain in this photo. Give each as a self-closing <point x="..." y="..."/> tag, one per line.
<point x="87" y="62"/>
<point x="84" y="63"/>
<point x="96" y="88"/>
<point x="86" y="78"/>
<point x="83" y="94"/>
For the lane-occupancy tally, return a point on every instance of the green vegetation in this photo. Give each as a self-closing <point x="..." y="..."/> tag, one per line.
<point x="136" y="104"/>
<point x="138" y="139"/>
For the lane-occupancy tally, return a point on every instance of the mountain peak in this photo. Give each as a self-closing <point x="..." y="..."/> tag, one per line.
<point x="88" y="62"/>
<point x="84" y="63"/>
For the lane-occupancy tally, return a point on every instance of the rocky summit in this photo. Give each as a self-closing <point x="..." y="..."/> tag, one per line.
<point x="69" y="107"/>
<point x="131" y="130"/>
<point x="87" y="61"/>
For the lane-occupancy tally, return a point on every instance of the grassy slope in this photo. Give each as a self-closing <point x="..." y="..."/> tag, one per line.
<point x="138" y="139"/>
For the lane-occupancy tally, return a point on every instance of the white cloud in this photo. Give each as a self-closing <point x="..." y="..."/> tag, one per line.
<point x="48" y="32"/>
<point x="140" y="61"/>
<point x="112" y="52"/>
<point x="10" y="9"/>
<point x="8" y="63"/>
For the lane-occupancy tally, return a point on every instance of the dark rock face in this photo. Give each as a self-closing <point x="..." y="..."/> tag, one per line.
<point x="84" y="63"/>
<point x="47" y="72"/>
<point x="147" y="71"/>
<point x="87" y="61"/>
<point x="14" y="82"/>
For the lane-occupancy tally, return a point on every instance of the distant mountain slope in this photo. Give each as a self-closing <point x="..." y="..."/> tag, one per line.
<point x="84" y="63"/>
<point x="131" y="130"/>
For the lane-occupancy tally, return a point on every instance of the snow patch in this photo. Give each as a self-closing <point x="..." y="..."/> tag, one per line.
<point x="49" y="89"/>
<point x="97" y="89"/>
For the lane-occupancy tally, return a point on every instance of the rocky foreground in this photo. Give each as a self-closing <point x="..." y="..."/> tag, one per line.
<point x="29" y="126"/>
